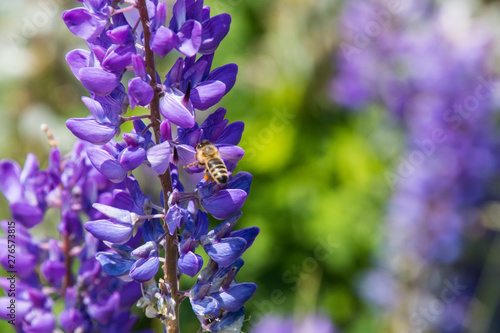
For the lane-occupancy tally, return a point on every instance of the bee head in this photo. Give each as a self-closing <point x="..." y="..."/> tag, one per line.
<point x="202" y="144"/>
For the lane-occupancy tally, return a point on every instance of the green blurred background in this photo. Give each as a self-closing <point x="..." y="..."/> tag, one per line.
<point x="319" y="191"/>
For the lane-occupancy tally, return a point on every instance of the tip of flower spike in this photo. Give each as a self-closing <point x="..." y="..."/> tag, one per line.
<point x="50" y="135"/>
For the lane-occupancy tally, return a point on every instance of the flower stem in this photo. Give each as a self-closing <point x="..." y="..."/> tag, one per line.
<point x="155" y="216"/>
<point x="132" y="118"/>
<point x="171" y="250"/>
<point x="123" y="10"/>
<point x="68" y="263"/>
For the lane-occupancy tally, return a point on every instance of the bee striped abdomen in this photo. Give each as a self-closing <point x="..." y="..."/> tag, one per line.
<point x="217" y="170"/>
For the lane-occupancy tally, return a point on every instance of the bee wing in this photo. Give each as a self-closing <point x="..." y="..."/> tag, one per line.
<point x="186" y="155"/>
<point x="230" y="154"/>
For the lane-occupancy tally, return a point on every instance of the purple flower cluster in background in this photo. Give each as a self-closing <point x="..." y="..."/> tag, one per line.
<point x="436" y="80"/>
<point x="119" y="249"/>
<point x="312" y="323"/>
<point x="94" y="301"/>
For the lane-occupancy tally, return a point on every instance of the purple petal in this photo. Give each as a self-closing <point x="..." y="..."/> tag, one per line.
<point x="103" y="311"/>
<point x="173" y="109"/>
<point x="97" y="110"/>
<point x="78" y="59"/>
<point x="30" y="168"/>
<point x="189" y="38"/>
<point x="131" y="158"/>
<point x="90" y="130"/>
<point x="242" y="180"/>
<point x="194" y="74"/>
<point x="98" y="52"/>
<point x="106" y="164"/>
<point x="174" y="218"/>
<point x="114" y="101"/>
<point x="174" y="76"/>
<point x="179" y="15"/>
<point x="205" y="13"/>
<point x="231" y="155"/>
<point x="119" y="215"/>
<point x="226" y="251"/>
<point x="202" y="224"/>
<point x="38" y="321"/>
<point x="23" y="237"/>
<point x="22" y="308"/>
<point x="121" y="35"/>
<point x="70" y="320"/>
<point x="207" y="94"/>
<point x="136" y="192"/>
<point x="231" y="322"/>
<point x="26" y="262"/>
<point x="144" y="269"/>
<point x="123" y="200"/>
<point x="106" y="230"/>
<point x="71" y="297"/>
<point x="96" y="6"/>
<point x="189" y="136"/>
<point x="146" y="250"/>
<point x="226" y="74"/>
<point x="161" y="15"/>
<point x="194" y="10"/>
<point x="232" y="133"/>
<point x="98" y="81"/>
<point x="26" y="214"/>
<point x="71" y="225"/>
<point x="53" y="271"/>
<point x="128" y="299"/>
<point x="214" y="125"/>
<point x="54" y="167"/>
<point x="222" y="229"/>
<point x="10" y="183"/>
<point x="163" y="41"/>
<point x="83" y="24"/>
<point x="225" y="203"/>
<point x="190" y="263"/>
<point x="207" y="306"/>
<point x="166" y="130"/>
<point x="113" y="264"/>
<point x="118" y="57"/>
<point x="139" y="66"/>
<point x="248" y="234"/>
<point x="214" y="31"/>
<point x="139" y="92"/>
<point x="235" y="296"/>
<point x="159" y="157"/>
<point x="152" y="230"/>
<point x="186" y="155"/>
<point x="134" y="140"/>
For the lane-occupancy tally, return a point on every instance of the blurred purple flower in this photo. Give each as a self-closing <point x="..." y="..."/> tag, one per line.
<point x="439" y="88"/>
<point x="312" y="323"/>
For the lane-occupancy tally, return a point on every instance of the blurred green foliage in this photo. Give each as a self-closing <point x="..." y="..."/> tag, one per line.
<point x="318" y="170"/>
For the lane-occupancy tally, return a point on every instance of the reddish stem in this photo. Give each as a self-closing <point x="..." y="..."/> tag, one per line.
<point x="68" y="262"/>
<point x="171" y="250"/>
<point x="135" y="117"/>
<point x="123" y="10"/>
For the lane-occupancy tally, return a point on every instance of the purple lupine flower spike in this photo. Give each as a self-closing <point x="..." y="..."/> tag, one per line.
<point x="428" y="80"/>
<point x="126" y="224"/>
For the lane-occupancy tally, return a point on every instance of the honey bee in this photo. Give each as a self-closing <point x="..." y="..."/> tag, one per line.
<point x="208" y="156"/>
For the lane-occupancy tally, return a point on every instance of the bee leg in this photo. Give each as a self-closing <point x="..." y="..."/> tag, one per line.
<point x="207" y="176"/>
<point x="194" y="163"/>
<point x="190" y="165"/>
